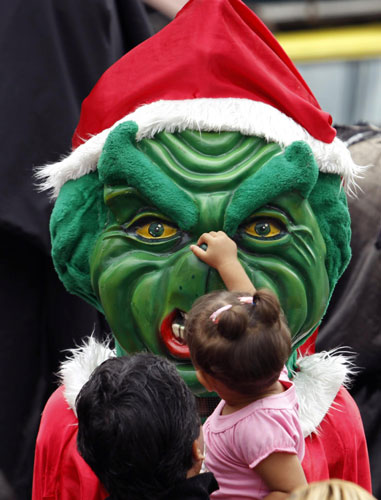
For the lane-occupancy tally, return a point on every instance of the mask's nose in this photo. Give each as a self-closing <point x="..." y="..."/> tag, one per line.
<point x="191" y="278"/>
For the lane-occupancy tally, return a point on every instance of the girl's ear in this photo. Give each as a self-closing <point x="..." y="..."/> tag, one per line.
<point x="206" y="380"/>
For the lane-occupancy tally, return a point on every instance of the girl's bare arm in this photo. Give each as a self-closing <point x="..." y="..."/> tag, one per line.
<point x="282" y="472"/>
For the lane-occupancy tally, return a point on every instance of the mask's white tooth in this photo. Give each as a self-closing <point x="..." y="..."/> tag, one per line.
<point x="183" y="314"/>
<point x="181" y="332"/>
<point x="176" y="329"/>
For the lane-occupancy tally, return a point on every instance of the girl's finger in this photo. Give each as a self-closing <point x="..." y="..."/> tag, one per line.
<point x="199" y="252"/>
<point x="204" y="238"/>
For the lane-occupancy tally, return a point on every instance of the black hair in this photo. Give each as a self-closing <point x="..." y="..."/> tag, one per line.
<point x="245" y="346"/>
<point x="137" y="421"/>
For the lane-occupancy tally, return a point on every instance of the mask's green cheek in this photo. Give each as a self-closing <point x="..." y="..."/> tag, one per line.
<point x="128" y="282"/>
<point x="293" y="265"/>
<point x="132" y="323"/>
<point x="303" y="305"/>
<point x="269" y="272"/>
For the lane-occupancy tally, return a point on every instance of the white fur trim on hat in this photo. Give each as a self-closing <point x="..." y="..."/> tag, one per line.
<point x="320" y="377"/>
<point x="212" y="115"/>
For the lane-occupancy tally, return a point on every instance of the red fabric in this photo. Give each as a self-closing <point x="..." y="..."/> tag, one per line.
<point x="59" y="470"/>
<point x="339" y="451"/>
<point x="212" y="49"/>
<point x="308" y="347"/>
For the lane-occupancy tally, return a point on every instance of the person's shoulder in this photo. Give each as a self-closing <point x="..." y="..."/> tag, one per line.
<point x="264" y="432"/>
<point x="57" y="407"/>
<point x="56" y="415"/>
<point x="199" y="486"/>
<point x="273" y="426"/>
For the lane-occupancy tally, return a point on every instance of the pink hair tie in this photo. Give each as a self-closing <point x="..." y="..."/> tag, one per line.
<point x="246" y="300"/>
<point x="215" y="315"/>
<point x="243" y="300"/>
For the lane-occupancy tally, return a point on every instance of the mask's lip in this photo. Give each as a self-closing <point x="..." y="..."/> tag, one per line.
<point x="174" y="345"/>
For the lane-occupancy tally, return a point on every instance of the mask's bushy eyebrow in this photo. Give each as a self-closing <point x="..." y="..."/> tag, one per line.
<point x="293" y="170"/>
<point x="122" y="162"/>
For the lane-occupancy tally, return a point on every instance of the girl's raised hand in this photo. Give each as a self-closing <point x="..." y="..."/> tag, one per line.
<point x="220" y="249"/>
<point x="221" y="254"/>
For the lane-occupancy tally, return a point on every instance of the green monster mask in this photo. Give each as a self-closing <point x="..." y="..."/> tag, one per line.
<point x="121" y="235"/>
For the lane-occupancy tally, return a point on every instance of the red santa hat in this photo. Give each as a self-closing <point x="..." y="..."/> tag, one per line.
<point x="215" y="67"/>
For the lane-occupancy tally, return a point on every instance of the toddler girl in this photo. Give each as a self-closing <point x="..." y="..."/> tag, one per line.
<point x="239" y="344"/>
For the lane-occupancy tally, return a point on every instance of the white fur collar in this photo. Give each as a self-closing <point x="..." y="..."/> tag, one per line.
<point x="80" y="364"/>
<point x="317" y="382"/>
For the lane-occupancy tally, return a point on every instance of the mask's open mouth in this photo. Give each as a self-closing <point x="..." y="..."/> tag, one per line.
<point x="172" y="334"/>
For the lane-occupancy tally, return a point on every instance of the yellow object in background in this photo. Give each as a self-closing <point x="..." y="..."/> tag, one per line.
<point x="349" y="42"/>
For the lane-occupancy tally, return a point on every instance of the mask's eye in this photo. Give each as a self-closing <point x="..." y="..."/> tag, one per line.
<point x="156" y="229"/>
<point x="264" y="228"/>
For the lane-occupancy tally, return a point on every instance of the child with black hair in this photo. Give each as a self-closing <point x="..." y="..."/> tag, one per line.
<point x="239" y="343"/>
<point x="138" y="429"/>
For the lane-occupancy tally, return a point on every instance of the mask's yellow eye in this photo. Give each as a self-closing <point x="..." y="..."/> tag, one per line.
<point x="264" y="229"/>
<point x="156" y="230"/>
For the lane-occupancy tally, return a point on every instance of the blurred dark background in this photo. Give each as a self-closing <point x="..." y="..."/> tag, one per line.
<point x="52" y="53"/>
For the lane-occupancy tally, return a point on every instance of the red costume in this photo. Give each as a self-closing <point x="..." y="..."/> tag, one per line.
<point x="335" y="448"/>
<point x="59" y="470"/>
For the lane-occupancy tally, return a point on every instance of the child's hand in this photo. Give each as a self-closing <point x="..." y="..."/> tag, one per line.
<point x="221" y="250"/>
<point x="221" y="253"/>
